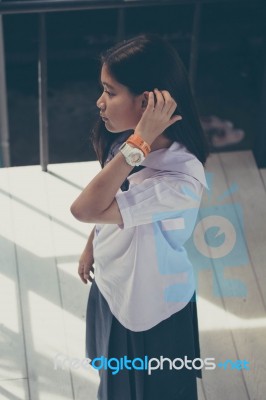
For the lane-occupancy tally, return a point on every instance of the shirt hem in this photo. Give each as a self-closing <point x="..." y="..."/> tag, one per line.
<point x="142" y="326"/>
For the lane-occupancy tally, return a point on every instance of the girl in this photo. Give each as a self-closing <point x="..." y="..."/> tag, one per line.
<point x="142" y="303"/>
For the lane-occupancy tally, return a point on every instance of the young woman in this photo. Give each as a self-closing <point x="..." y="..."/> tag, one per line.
<point x="145" y="200"/>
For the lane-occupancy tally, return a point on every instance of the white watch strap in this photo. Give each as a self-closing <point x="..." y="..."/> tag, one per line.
<point x="126" y="149"/>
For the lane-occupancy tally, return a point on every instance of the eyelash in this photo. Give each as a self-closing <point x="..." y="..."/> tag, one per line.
<point x="109" y="94"/>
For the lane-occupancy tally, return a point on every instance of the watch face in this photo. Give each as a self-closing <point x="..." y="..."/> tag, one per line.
<point x="133" y="155"/>
<point x="135" y="158"/>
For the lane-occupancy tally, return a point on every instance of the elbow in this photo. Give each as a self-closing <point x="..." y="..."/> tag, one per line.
<point x="77" y="213"/>
<point x="80" y="214"/>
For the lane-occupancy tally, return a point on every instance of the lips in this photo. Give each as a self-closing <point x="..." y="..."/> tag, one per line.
<point x="103" y="118"/>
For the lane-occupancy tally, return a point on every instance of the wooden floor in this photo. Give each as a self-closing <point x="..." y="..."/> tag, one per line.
<point x="43" y="301"/>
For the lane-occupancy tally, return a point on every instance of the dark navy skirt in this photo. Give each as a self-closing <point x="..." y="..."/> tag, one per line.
<point x="174" y="337"/>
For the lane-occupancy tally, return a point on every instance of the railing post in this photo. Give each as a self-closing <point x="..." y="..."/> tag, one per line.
<point x="120" y="32"/>
<point x="4" y="130"/>
<point x="194" y="47"/>
<point x="42" y="85"/>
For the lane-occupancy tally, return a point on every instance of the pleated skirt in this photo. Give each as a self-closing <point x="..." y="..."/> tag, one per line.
<point x="174" y="337"/>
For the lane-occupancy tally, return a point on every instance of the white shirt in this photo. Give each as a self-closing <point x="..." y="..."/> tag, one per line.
<point x="141" y="267"/>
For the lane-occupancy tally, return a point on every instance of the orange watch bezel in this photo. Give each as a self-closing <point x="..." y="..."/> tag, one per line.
<point x="138" y="142"/>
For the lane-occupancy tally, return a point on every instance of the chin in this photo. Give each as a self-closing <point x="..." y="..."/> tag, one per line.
<point x="113" y="130"/>
<point x="116" y="130"/>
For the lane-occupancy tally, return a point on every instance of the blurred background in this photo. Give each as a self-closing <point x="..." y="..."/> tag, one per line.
<point x="227" y="80"/>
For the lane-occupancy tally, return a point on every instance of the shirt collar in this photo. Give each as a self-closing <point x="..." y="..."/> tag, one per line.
<point x="175" y="158"/>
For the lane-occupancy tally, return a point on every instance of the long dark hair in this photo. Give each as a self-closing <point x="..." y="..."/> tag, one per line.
<point x="143" y="63"/>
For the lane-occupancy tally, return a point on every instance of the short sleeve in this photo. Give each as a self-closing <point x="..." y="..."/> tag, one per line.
<point x="157" y="199"/>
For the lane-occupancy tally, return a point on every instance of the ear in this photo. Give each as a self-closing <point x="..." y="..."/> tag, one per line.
<point x="144" y="101"/>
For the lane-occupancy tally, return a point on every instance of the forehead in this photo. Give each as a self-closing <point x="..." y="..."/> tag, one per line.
<point x="109" y="81"/>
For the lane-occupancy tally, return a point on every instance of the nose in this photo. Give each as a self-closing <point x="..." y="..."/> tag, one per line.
<point x="100" y="104"/>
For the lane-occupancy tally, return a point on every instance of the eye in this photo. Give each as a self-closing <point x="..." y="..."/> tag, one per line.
<point x="109" y="94"/>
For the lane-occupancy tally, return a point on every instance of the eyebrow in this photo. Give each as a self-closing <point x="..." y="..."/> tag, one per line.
<point x="107" y="84"/>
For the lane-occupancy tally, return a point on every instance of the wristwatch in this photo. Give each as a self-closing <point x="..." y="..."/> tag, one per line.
<point x="133" y="155"/>
<point x="138" y="142"/>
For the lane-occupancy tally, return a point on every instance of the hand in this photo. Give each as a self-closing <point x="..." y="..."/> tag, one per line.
<point x="157" y="116"/>
<point x="86" y="265"/>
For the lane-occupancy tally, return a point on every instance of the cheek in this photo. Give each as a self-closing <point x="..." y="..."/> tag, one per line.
<point x="131" y="111"/>
<point x="135" y="116"/>
<point x="124" y="111"/>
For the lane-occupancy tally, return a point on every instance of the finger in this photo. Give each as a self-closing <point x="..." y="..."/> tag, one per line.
<point x="84" y="271"/>
<point x="91" y="276"/>
<point x="150" y="105"/>
<point x="80" y="270"/>
<point x="169" y="102"/>
<point x="88" y="268"/>
<point x="174" y="119"/>
<point x="166" y="95"/>
<point x="172" y="108"/>
<point x="159" y="100"/>
<point x="82" y="278"/>
<point x="88" y="272"/>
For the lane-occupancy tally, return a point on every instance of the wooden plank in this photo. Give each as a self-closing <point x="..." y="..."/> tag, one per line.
<point x="62" y="187"/>
<point x="14" y="389"/>
<point x="201" y="395"/>
<point x="216" y="340"/>
<point x="242" y="169"/>
<point x="247" y="312"/>
<point x="262" y="172"/>
<point x="40" y="296"/>
<point x="13" y="365"/>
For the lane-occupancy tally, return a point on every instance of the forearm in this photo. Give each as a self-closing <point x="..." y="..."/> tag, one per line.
<point x="90" y="238"/>
<point x="99" y="194"/>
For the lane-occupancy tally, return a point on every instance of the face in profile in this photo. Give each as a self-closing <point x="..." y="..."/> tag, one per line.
<point x="119" y="109"/>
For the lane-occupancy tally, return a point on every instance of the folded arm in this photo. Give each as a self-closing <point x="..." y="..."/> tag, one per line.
<point x="97" y="203"/>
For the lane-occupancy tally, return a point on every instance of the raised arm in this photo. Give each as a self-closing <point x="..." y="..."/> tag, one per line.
<point x="97" y="201"/>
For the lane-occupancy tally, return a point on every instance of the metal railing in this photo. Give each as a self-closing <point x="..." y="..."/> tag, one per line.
<point x="44" y="6"/>
<point x="29" y="6"/>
